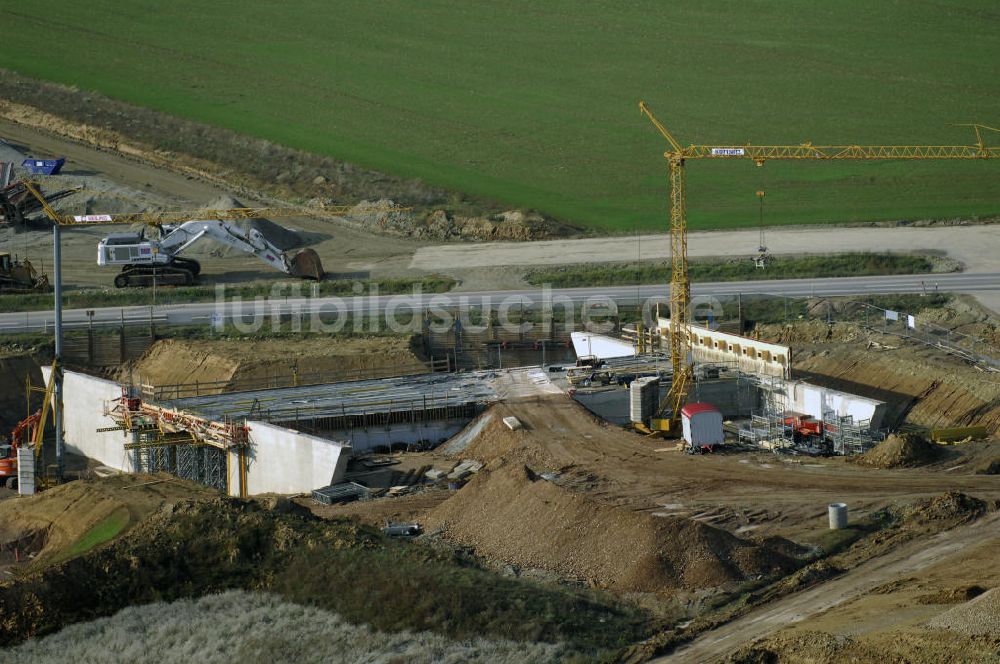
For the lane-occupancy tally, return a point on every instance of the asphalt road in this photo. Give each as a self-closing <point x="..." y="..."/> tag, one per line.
<point x="366" y="305"/>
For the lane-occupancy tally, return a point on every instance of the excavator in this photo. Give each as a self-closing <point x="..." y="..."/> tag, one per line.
<point x="145" y="261"/>
<point x="20" y="276"/>
<point x="148" y="262"/>
<point x="23" y="434"/>
<point x="29" y="432"/>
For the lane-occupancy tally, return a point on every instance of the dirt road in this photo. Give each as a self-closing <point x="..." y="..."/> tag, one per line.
<point x="906" y="560"/>
<point x="83" y="160"/>
<point x="346" y="251"/>
<point x="975" y="246"/>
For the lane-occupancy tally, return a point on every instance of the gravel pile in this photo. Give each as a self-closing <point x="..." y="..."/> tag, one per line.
<point x="979" y="616"/>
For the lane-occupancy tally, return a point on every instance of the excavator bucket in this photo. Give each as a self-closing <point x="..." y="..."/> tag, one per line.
<point x="306" y="265"/>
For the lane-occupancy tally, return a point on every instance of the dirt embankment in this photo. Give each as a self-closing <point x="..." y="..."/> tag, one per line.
<point x="867" y="602"/>
<point x="14" y="370"/>
<point x="243" y="364"/>
<point x="919" y="388"/>
<point x="69" y="519"/>
<point x="510" y="514"/>
<point x="440" y="224"/>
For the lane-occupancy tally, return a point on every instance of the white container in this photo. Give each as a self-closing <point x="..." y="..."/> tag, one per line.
<point x="838" y="515"/>
<point x="701" y="424"/>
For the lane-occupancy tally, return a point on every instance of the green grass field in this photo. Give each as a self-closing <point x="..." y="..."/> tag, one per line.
<point x="796" y="267"/>
<point x="535" y="104"/>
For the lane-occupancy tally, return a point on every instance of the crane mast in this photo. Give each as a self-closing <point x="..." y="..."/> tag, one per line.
<point x="680" y="284"/>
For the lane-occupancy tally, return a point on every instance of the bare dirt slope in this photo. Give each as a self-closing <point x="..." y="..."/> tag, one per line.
<point x="919" y="387"/>
<point x="596" y="466"/>
<point x="71" y="518"/>
<point x="879" y="611"/>
<point x="248" y="364"/>
<point x="771" y="494"/>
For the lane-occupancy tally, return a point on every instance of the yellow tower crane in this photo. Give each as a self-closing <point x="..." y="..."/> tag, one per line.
<point x="680" y="284"/>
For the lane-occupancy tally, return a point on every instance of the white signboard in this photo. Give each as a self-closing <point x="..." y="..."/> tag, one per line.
<point x="87" y="218"/>
<point x="728" y="152"/>
<point x="911" y="322"/>
<point x="891" y="315"/>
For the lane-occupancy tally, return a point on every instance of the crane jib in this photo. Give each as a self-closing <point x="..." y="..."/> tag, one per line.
<point x="807" y="151"/>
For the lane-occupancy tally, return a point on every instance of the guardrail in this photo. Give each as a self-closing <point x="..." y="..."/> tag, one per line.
<point x="45" y="325"/>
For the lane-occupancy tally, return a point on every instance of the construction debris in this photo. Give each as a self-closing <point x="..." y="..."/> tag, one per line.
<point x="341" y="493"/>
<point x="402" y="529"/>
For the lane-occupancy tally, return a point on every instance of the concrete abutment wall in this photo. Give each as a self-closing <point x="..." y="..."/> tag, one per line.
<point x="280" y="460"/>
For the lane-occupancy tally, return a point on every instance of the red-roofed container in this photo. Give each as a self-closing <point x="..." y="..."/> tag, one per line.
<point x="702" y="425"/>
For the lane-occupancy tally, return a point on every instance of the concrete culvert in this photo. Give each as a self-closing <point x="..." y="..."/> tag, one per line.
<point x="838" y="515"/>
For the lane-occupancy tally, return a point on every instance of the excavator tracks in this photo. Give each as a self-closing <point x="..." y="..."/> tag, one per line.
<point x="179" y="273"/>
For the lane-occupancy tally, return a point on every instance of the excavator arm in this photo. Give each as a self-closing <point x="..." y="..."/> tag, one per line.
<point x="251" y="242"/>
<point x="146" y="260"/>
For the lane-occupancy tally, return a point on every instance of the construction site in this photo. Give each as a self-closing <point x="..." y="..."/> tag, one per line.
<point x="789" y="478"/>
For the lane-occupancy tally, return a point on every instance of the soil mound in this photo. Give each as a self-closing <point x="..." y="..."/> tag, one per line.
<point x="901" y="451"/>
<point x="952" y="595"/>
<point x="512" y="225"/>
<point x="916" y="647"/>
<point x="949" y="506"/>
<point x="189" y="548"/>
<point x="988" y="466"/>
<point x="223" y="202"/>
<point x="513" y="516"/>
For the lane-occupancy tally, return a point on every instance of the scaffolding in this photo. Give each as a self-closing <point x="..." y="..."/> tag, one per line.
<point x="189" y="447"/>
<point x="848" y="436"/>
<point x="772" y="428"/>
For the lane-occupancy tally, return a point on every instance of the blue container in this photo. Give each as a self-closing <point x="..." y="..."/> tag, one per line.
<point x="43" y="166"/>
